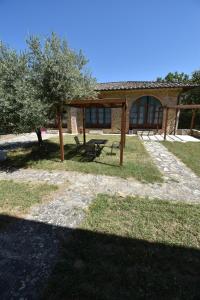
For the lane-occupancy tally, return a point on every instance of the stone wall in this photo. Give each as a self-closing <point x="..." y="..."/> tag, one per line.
<point x="166" y="96"/>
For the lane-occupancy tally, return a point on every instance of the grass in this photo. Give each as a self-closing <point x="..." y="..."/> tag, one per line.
<point x="16" y="198"/>
<point x="188" y="152"/>
<point x="137" y="162"/>
<point x="131" y="248"/>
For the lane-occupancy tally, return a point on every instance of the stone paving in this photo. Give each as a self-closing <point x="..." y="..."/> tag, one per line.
<point x="170" y="137"/>
<point x="29" y="249"/>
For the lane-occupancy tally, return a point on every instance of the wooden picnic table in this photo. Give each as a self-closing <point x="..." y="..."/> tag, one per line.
<point x="98" y="143"/>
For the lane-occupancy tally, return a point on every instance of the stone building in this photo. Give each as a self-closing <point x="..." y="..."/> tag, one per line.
<point x="146" y="101"/>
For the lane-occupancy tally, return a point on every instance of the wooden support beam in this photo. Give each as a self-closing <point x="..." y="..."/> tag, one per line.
<point x="122" y="142"/>
<point x="166" y="121"/>
<point x="185" y="106"/>
<point x="192" y="121"/>
<point x="59" y="118"/>
<point x="175" y="121"/>
<point x="84" y="137"/>
<point x="125" y="108"/>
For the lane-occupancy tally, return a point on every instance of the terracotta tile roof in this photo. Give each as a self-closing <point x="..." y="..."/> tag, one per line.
<point x="136" y="85"/>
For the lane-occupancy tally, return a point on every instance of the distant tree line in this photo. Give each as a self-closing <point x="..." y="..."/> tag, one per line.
<point x="191" y="96"/>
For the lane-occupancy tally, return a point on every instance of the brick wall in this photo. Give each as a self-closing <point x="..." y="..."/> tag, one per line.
<point x="166" y="96"/>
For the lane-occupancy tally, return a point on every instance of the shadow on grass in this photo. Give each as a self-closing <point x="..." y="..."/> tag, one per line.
<point x="32" y="153"/>
<point x="91" y="265"/>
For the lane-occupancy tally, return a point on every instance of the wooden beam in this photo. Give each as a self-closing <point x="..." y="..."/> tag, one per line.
<point x="122" y="134"/>
<point x="106" y="102"/>
<point x="60" y="135"/>
<point x="192" y="121"/>
<point x="185" y="106"/>
<point x="84" y="137"/>
<point x="125" y="108"/>
<point x="166" y="121"/>
<point x="175" y="121"/>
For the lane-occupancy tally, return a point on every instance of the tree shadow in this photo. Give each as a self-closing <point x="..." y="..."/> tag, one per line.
<point x="91" y="265"/>
<point x="32" y="153"/>
<point x="15" y="145"/>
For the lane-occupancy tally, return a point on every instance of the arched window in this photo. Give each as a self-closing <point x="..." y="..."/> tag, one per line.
<point x="98" y="117"/>
<point x="146" y="113"/>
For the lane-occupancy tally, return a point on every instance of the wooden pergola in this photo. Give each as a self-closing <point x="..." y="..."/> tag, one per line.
<point x="177" y="108"/>
<point x="106" y="103"/>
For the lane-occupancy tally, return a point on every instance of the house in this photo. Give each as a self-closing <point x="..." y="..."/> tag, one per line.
<point x="146" y="101"/>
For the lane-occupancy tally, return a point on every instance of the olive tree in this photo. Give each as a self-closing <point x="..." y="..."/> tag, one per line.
<point x="58" y="74"/>
<point x="36" y="84"/>
<point x="20" y="109"/>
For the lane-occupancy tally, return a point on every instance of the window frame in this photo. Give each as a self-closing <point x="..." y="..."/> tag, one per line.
<point x="157" y="109"/>
<point x="90" y="124"/>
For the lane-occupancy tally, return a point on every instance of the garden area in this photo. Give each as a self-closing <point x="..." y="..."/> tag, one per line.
<point x="137" y="162"/>
<point x="16" y="198"/>
<point x="131" y="248"/>
<point x="188" y="152"/>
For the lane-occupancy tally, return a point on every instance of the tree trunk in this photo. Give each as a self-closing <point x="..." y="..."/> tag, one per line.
<point x="39" y="136"/>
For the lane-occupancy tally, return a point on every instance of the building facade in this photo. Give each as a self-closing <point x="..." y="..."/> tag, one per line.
<point x="145" y="107"/>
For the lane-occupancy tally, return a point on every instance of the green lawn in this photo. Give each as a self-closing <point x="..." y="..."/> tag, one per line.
<point x="188" y="152"/>
<point x="131" y="248"/>
<point x="137" y="162"/>
<point x="16" y="198"/>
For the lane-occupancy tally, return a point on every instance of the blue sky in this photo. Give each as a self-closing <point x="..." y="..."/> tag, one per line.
<point x="123" y="39"/>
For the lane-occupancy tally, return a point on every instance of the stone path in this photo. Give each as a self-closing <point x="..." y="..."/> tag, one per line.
<point x="28" y="249"/>
<point x="174" y="169"/>
<point x="144" y="136"/>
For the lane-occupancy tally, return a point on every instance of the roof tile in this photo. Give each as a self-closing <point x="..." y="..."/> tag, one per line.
<point x="135" y="85"/>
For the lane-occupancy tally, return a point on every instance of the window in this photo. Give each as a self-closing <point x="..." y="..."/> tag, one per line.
<point x="146" y="112"/>
<point x="98" y="117"/>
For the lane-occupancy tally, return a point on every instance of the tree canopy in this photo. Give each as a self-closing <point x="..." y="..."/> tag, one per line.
<point x="58" y="72"/>
<point x="189" y="97"/>
<point x="20" y="109"/>
<point x="174" y="77"/>
<point x="37" y="82"/>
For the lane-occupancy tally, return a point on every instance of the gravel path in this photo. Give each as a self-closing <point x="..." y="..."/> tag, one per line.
<point x="28" y="248"/>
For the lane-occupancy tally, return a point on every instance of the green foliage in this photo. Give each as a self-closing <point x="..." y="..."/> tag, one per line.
<point x="189" y="97"/>
<point x="35" y="83"/>
<point x="20" y="109"/>
<point x="196" y="76"/>
<point x="58" y="73"/>
<point x="193" y="95"/>
<point x="174" y="77"/>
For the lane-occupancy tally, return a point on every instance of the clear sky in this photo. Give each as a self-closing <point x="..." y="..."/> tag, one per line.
<point x="123" y="39"/>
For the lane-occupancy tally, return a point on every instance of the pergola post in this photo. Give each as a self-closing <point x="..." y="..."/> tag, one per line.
<point x="122" y="143"/>
<point x="125" y="125"/>
<point x="60" y="135"/>
<point x="175" y="124"/>
<point x="192" y="121"/>
<point x="166" y="121"/>
<point x="84" y="137"/>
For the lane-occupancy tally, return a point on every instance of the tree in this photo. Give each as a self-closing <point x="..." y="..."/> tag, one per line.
<point x="174" y="77"/>
<point x="58" y="74"/>
<point x="193" y="95"/>
<point x="20" y="110"/>
<point x="36" y="84"/>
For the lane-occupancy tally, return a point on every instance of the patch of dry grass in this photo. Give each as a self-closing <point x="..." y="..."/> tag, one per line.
<point x="137" y="162"/>
<point x="131" y="248"/>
